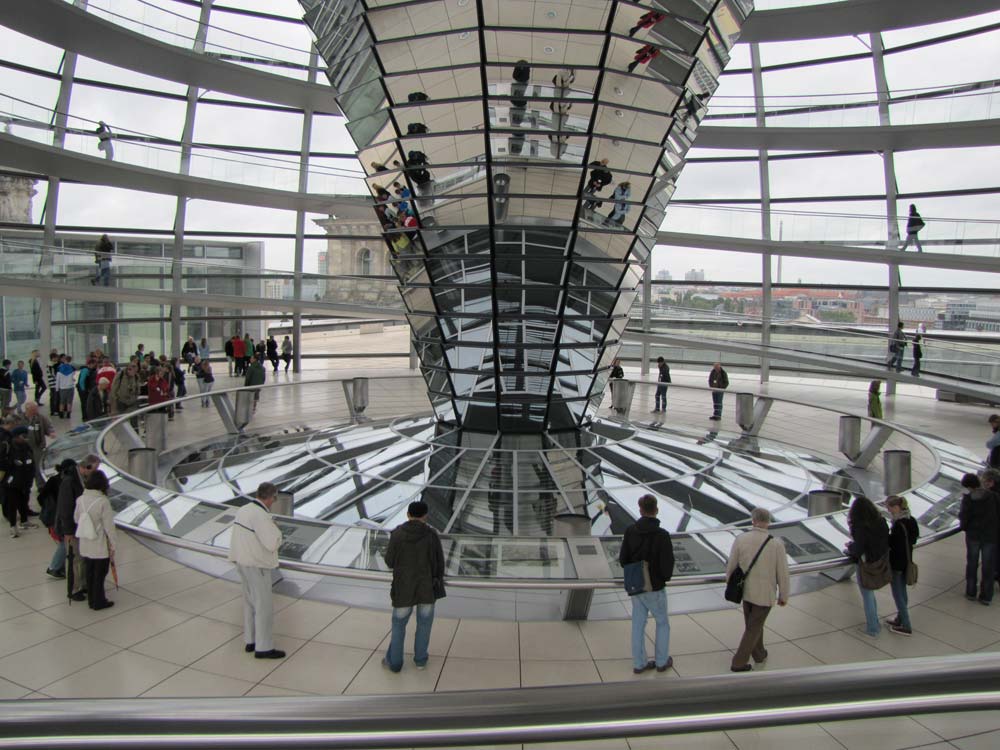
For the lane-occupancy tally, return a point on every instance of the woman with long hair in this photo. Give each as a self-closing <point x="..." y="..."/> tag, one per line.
<point x="869" y="544"/>
<point x="902" y="534"/>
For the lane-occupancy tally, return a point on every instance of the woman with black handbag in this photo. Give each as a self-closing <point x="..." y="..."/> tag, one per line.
<point x="902" y="534"/>
<point x="869" y="548"/>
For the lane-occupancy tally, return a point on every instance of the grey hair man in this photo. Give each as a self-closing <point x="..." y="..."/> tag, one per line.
<point x="769" y="572"/>
<point x="253" y="547"/>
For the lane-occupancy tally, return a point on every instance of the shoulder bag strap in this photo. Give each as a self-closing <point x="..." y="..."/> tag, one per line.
<point x="754" y="561"/>
<point x="906" y="536"/>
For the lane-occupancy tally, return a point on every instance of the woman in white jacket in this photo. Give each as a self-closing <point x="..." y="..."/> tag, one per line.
<point x="95" y="528"/>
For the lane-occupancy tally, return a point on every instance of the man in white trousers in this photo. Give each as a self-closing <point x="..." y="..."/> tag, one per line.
<point x="254" y="548"/>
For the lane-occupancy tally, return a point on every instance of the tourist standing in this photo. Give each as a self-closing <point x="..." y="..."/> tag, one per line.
<point x="65" y="385"/>
<point x="37" y="376"/>
<point x="903" y="534"/>
<point x="897" y="347"/>
<point x="868" y="546"/>
<point x="645" y="541"/>
<point x="74" y="479"/>
<point x="417" y="561"/>
<point x="254" y="550"/>
<point x="39" y="430"/>
<point x="6" y="387"/>
<point x="230" y="354"/>
<point x="255" y="376"/>
<point x="663" y="378"/>
<point x="718" y="381"/>
<point x="286" y="351"/>
<point x="977" y="517"/>
<point x="918" y="354"/>
<point x="272" y="352"/>
<point x="20" y="470"/>
<point x="874" y="400"/>
<point x="95" y="531"/>
<point x="762" y="557"/>
<point x="19" y="383"/>
<point x="206" y="380"/>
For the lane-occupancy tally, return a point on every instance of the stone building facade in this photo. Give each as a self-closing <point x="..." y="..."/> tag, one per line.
<point x="15" y="198"/>
<point x="357" y="254"/>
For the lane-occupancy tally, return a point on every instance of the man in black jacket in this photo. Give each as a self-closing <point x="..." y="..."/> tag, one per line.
<point x="417" y="563"/>
<point x="719" y="380"/>
<point x="70" y="489"/>
<point x="646" y="541"/>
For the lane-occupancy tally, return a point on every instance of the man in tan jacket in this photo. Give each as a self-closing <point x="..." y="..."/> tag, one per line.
<point x="769" y="572"/>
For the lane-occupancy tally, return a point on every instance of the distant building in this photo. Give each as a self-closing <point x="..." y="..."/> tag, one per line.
<point x="695" y="275"/>
<point x="15" y="198"/>
<point x="664" y="275"/>
<point x="985" y="316"/>
<point x="361" y="253"/>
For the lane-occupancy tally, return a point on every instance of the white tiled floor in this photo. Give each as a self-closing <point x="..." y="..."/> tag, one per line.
<point x="176" y="631"/>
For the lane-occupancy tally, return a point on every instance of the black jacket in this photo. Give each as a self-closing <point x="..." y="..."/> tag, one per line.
<point x="416" y="559"/>
<point x="37" y="374"/>
<point x="870" y="541"/>
<point x="718" y="379"/>
<point x="617" y="372"/>
<point x="664" y="373"/>
<point x="645" y="540"/>
<point x="69" y="490"/>
<point x="898" y="538"/>
<point x="229" y="347"/>
<point x="978" y="515"/>
<point x="21" y="474"/>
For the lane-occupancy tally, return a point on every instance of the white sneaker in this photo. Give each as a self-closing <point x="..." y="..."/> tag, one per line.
<point x="13" y="532"/>
<point x="28" y="525"/>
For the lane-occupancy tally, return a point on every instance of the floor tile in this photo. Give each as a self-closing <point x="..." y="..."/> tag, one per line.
<point x="204" y="597"/>
<point x="163" y="585"/>
<point x="727" y="626"/>
<point x="125" y="674"/>
<point x="829" y="609"/>
<point x="841" y="648"/>
<point x="305" y="619"/>
<point x="269" y="691"/>
<point x="620" y="670"/>
<point x="589" y="745"/>
<point x="960" y="723"/>
<point x="12" y="691"/>
<point x="571" y="672"/>
<point x="79" y="615"/>
<point x="189" y="682"/>
<point x="25" y="631"/>
<point x="686" y="637"/>
<point x="552" y="641"/>
<point x="231" y="660"/>
<point x="699" y="741"/>
<point x="133" y="572"/>
<point x="47" y="662"/>
<point x="374" y="679"/>
<point x="792" y="623"/>
<point x="952" y="630"/>
<point x="811" y="736"/>
<point x="361" y="628"/>
<point x="188" y="641"/>
<point x="891" y="733"/>
<point x="700" y="665"/>
<point x="321" y="668"/>
<point x="485" y="639"/>
<point x="127" y="628"/>
<point x="232" y="611"/>
<point x="11" y="607"/>
<point x="612" y="639"/>
<point x="43" y="595"/>
<point x="479" y="674"/>
<point x="985" y="741"/>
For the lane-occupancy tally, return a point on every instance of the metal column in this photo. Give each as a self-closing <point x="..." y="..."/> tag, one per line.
<point x="896" y="471"/>
<point x="300" y="220"/>
<point x="765" y="216"/>
<point x="142" y="464"/>
<point x="647" y="302"/>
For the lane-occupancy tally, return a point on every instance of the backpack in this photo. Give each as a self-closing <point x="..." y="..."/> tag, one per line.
<point x="417" y="96"/>
<point x="416" y="158"/>
<point x="48" y="499"/>
<point x="415" y="128"/>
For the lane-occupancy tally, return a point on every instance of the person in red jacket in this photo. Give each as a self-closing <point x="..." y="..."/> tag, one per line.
<point x="643" y="55"/>
<point x="158" y="386"/>
<point x="240" y="355"/>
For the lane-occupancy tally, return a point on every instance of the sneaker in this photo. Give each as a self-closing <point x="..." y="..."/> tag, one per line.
<point x="649" y="665"/>
<point x="79" y="596"/>
<point x="28" y="525"/>
<point x="668" y="665"/>
<point x="971" y="597"/>
<point x="13" y="532"/>
<point x="892" y="621"/>
<point x="56" y="573"/>
<point x="985" y="602"/>
<point x="420" y="666"/>
<point x="864" y="631"/>
<point x="900" y="630"/>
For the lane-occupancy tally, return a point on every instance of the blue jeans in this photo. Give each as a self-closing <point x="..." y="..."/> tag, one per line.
<point x="717" y="403"/>
<point x="901" y="598"/>
<point x="660" y="399"/>
<point x="58" y="561"/>
<point x="897" y="359"/>
<point x="974" y="550"/>
<point x="400" y="617"/>
<point x="650" y="603"/>
<point x="872" y="625"/>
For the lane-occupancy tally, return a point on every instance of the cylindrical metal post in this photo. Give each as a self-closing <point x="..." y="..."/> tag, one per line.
<point x="244" y="408"/>
<point x="744" y="410"/>
<point x="822" y="502"/>
<point x="359" y="394"/>
<point x="284" y="504"/>
<point x="621" y="396"/>
<point x="849" y="442"/>
<point x="896" y="476"/>
<point x="156" y="430"/>
<point x="142" y="464"/>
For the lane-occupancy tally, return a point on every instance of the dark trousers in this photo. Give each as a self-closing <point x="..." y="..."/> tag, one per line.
<point x="95" y="570"/>
<point x="979" y="554"/>
<point x="717" y="403"/>
<point x="660" y="398"/>
<point x="53" y="402"/>
<point x="40" y="388"/>
<point x="15" y="501"/>
<point x="752" y="642"/>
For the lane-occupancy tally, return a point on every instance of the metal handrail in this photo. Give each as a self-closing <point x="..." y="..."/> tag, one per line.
<point x="561" y="584"/>
<point x="966" y="682"/>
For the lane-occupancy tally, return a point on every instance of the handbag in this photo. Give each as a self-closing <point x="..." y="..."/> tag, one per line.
<point x="912" y="571"/>
<point x="874" y="575"/>
<point x="737" y="579"/>
<point x="637" y="577"/>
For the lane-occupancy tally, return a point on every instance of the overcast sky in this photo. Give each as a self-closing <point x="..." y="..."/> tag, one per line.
<point x="973" y="59"/>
